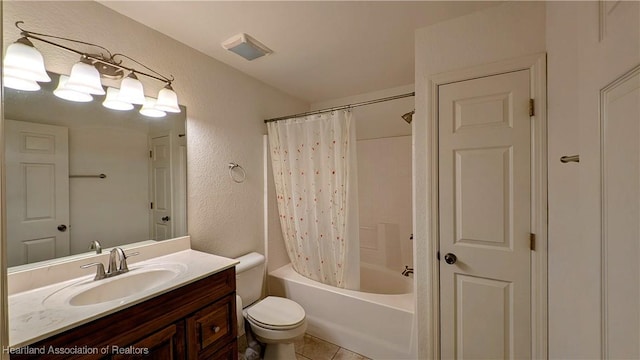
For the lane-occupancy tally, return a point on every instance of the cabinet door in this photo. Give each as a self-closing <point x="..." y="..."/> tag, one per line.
<point x="166" y="344"/>
<point x="211" y="327"/>
<point x="228" y="352"/>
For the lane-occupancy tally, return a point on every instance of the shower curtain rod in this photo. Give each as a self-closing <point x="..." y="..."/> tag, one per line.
<point x="341" y="107"/>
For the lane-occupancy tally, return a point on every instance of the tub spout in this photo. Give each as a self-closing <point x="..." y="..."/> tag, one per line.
<point x="407" y="270"/>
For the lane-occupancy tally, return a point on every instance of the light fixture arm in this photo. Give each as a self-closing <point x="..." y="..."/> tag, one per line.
<point x="161" y="77"/>
<point x="100" y="58"/>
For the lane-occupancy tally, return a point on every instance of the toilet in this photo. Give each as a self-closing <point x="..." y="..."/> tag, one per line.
<point x="274" y="321"/>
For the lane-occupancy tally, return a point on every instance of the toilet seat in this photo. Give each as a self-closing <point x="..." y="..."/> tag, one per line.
<point x="276" y="313"/>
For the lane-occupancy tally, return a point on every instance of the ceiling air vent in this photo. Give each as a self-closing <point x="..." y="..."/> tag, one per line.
<point x="246" y="46"/>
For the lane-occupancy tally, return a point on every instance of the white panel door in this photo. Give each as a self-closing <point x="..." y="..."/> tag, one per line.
<point x="161" y="194"/>
<point x="621" y="214"/>
<point x="37" y="187"/>
<point x="484" y="217"/>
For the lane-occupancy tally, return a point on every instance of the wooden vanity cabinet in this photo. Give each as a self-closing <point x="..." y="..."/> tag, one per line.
<point x="195" y="321"/>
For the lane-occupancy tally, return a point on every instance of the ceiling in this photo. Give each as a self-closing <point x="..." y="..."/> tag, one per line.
<point x="322" y="49"/>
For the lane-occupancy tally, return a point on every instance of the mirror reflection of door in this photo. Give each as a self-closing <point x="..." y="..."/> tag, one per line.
<point x="37" y="188"/>
<point x="161" y="194"/>
<point x="113" y="210"/>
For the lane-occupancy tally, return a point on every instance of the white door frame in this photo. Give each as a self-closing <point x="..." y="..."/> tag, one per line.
<point x="536" y="64"/>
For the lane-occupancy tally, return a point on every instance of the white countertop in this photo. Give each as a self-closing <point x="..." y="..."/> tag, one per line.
<point x="32" y="319"/>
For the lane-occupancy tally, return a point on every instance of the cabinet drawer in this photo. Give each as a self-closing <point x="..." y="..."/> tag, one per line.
<point x="211" y="327"/>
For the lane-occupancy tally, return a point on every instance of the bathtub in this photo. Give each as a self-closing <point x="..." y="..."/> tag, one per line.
<point x="376" y="322"/>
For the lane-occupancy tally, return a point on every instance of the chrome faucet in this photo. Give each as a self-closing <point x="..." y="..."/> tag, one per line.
<point x="113" y="254"/>
<point x="407" y="270"/>
<point x="117" y="264"/>
<point x="95" y="245"/>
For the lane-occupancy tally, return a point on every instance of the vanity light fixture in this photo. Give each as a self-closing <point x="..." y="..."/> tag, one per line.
<point x="151" y="110"/>
<point x="131" y="90"/>
<point x="63" y="92"/>
<point x="24" y="65"/>
<point x="85" y="78"/>
<point x="112" y="101"/>
<point x="24" y="68"/>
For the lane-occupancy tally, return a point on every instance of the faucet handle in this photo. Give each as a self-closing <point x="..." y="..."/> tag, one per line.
<point x="123" y="263"/>
<point x="100" y="274"/>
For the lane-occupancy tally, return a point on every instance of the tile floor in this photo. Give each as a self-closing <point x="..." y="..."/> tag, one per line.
<point x="312" y="348"/>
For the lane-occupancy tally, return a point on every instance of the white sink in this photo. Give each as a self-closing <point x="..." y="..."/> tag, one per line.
<point x="122" y="286"/>
<point x="136" y="282"/>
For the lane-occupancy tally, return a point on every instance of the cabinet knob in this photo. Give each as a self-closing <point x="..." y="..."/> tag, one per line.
<point x="215" y="329"/>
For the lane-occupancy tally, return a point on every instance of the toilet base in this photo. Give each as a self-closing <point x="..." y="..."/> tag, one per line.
<point x="280" y="351"/>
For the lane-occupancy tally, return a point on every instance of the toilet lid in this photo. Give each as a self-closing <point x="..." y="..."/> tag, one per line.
<point x="276" y="312"/>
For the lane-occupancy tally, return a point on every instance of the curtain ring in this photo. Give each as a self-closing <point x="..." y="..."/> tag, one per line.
<point x="237" y="179"/>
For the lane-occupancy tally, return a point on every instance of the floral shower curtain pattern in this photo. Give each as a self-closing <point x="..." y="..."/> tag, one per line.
<point x="314" y="169"/>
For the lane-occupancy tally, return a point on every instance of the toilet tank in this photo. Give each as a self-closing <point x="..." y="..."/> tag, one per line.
<point x="249" y="277"/>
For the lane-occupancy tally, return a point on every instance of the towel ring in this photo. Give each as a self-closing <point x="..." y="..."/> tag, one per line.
<point x="237" y="179"/>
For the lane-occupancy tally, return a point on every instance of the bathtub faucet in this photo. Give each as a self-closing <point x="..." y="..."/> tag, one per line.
<point x="407" y="270"/>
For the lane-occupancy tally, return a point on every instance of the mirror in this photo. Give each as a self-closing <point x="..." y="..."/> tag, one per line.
<point x="79" y="172"/>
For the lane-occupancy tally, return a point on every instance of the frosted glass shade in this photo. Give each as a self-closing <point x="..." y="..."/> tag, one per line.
<point x="131" y="90"/>
<point x="65" y="93"/>
<point x="167" y="100"/>
<point x="111" y="101"/>
<point x="85" y="78"/>
<point x="20" y="84"/>
<point x="149" y="109"/>
<point x="22" y="61"/>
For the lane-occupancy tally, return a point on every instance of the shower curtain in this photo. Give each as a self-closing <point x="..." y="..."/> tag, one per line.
<point x="314" y="168"/>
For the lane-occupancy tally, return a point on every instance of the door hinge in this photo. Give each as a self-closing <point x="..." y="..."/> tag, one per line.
<point x="532" y="242"/>
<point x="151" y="154"/>
<point x="151" y="206"/>
<point x="531" y="107"/>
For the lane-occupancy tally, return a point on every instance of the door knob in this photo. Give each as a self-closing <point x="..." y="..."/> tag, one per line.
<point x="166" y="218"/>
<point x="450" y="258"/>
<point x="62" y="228"/>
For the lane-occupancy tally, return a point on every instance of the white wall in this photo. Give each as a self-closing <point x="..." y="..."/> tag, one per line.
<point x="377" y="120"/>
<point x="579" y="65"/>
<point x="384" y="198"/>
<point x="507" y="31"/>
<point x="225" y="109"/>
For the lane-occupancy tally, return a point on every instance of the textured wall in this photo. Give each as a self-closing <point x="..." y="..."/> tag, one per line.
<point x="225" y="109"/>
